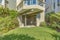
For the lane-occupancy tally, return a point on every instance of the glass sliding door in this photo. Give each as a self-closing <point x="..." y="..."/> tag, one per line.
<point x="28" y="2"/>
<point x="31" y="20"/>
<point x="34" y="2"/>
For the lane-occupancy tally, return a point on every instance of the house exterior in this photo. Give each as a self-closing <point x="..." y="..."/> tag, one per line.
<point x="11" y="4"/>
<point x="53" y="5"/>
<point x="32" y="12"/>
<point x="57" y="6"/>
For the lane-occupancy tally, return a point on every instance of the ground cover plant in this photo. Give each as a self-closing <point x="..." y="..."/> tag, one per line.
<point x="37" y="33"/>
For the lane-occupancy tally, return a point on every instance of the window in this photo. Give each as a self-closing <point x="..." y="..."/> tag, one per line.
<point x="34" y="2"/>
<point x="29" y="2"/>
<point x="58" y="2"/>
<point x="25" y="2"/>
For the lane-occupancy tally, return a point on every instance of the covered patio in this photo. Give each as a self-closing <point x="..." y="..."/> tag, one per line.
<point x="30" y="17"/>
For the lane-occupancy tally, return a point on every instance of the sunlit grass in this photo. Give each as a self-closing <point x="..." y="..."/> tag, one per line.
<point x="37" y="33"/>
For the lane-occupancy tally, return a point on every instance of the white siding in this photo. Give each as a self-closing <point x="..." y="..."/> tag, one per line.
<point x="12" y="4"/>
<point x="49" y="5"/>
<point x="17" y="2"/>
<point x="57" y="9"/>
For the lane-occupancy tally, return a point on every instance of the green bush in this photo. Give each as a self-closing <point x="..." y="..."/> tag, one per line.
<point x="17" y="37"/>
<point x="8" y="23"/>
<point x="53" y="20"/>
<point x="8" y="19"/>
<point x="43" y="24"/>
<point x="54" y="25"/>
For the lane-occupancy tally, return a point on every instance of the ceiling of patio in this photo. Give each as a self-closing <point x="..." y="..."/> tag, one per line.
<point x="30" y="11"/>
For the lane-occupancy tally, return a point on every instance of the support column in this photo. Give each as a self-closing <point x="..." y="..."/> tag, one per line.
<point x="25" y="20"/>
<point x="38" y="19"/>
<point x="42" y="17"/>
<point x="20" y="21"/>
<point x="42" y="14"/>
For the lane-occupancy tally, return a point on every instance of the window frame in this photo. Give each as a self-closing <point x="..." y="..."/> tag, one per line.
<point x="30" y="2"/>
<point x="58" y="2"/>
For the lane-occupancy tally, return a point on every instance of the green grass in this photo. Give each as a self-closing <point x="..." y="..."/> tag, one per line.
<point x="37" y="33"/>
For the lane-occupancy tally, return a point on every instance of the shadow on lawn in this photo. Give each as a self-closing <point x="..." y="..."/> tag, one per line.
<point x="25" y="37"/>
<point x="56" y="36"/>
<point x="17" y="37"/>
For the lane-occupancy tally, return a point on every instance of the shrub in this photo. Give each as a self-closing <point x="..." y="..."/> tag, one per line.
<point x="54" y="20"/>
<point x="54" y="25"/>
<point x="8" y="19"/>
<point x="8" y="23"/>
<point x="43" y="24"/>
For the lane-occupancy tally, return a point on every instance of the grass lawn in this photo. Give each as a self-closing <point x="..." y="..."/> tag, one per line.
<point x="37" y="33"/>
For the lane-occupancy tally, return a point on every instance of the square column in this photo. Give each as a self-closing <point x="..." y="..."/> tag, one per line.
<point x="25" y="20"/>
<point x="20" y="21"/>
<point x="42" y="17"/>
<point x="38" y="19"/>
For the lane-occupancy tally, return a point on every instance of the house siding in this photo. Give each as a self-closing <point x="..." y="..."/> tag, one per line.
<point x="57" y="9"/>
<point x="12" y="4"/>
<point x="49" y="6"/>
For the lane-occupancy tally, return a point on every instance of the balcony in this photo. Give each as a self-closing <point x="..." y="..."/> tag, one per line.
<point x="22" y="7"/>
